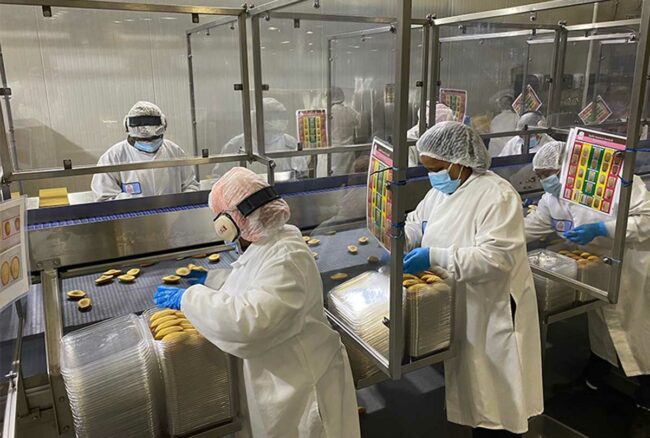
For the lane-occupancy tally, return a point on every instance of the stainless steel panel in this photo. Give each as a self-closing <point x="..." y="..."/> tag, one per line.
<point x="535" y="7"/>
<point x="126" y="6"/>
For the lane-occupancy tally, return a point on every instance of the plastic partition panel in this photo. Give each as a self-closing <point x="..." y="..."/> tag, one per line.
<point x="75" y="75"/>
<point x="216" y="71"/>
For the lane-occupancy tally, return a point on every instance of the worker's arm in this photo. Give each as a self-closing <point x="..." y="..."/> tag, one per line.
<point x="638" y="222"/>
<point x="106" y="186"/>
<point x="246" y="323"/>
<point x="498" y="240"/>
<point x="189" y="184"/>
<point x="538" y="223"/>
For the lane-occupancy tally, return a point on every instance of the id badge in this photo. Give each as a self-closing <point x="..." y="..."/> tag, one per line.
<point x="133" y="188"/>
<point x="562" y="225"/>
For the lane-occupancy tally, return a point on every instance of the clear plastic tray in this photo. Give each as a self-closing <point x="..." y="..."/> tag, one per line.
<point x="552" y="295"/>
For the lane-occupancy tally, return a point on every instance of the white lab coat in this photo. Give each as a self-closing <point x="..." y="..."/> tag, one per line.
<point x="345" y="121"/>
<point x="505" y="121"/>
<point x="274" y="143"/>
<point x="515" y="146"/>
<point x="269" y="312"/>
<point x="622" y="328"/>
<point x="477" y="233"/>
<point x="152" y="182"/>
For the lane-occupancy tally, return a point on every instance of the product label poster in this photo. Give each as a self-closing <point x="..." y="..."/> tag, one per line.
<point x="378" y="209"/>
<point x="590" y="175"/>
<point x="14" y="278"/>
<point x="312" y="128"/>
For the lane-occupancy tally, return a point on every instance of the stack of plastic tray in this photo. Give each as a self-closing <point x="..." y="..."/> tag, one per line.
<point x="552" y="295"/>
<point x="594" y="273"/>
<point x="111" y="377"/>
<point x="196" y="381"/>
<point x="428" y="316"/>
<point x="362" y="305"/>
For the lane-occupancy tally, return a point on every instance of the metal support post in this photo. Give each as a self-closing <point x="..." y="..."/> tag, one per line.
<point x="639" y="85"/>
<point x="426" y="30"/>
<point x="50" y="284"/>
<point x="257" y="85"/>
<point x="434" y="72"/>
<point x="190" y="69"/>
<point x="559" y="56"/>
<point x="330" y="117"/>
<point x="400" y="164"/>
<point x="594" y="95"/>
<point x="245" y="92"/>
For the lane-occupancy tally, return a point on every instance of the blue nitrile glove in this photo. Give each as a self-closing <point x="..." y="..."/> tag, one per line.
<point x="169" y="297"/>
<point x="196" y="277"/>
<point x="584" y="234"/>
<point x="417" y="261"/>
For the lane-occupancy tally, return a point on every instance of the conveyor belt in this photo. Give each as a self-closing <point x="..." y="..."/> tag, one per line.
<point x="111" y="300"/>
<point x="111" y="217"/>
<point x="118" y="299"/>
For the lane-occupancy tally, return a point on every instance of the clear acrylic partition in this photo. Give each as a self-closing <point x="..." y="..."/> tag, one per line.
<point x="359" y="66"/>
<point x="607" y="72"/>
<point x="491" y="70"/>
<point x="215" y="72"/>
<point x="74" y="76"/>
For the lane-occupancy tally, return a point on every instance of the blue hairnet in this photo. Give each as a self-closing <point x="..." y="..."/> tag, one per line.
<point x="456" y="143"/>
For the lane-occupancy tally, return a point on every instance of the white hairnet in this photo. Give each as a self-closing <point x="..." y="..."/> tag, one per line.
<point x="273" y="109"/>
<point x="236" y="185"/>
<point x="143" y="108"/>
<point x="549" y="156"/>
<point x="456" y="143"/>
<point x="531" y="119"/>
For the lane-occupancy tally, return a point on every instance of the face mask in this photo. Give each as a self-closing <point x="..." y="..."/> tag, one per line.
<point x="552" y="185"/>
<point x="534" y="141"/>
<point x="148" y="146"/>
<point x="226" y="228"/>
<point x="442" y="182"/>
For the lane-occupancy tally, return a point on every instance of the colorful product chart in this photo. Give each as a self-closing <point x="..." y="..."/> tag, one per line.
<point x="603" y="112"/>
<point x="456" y="100"/>
<point x="595" y="163"/>
<point x="312" y="128"/>
<point x="378" y="210"/>
<point x="532" y="102"/>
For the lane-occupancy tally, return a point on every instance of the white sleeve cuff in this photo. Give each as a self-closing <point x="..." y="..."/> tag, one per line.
<point x="441" y="257"/>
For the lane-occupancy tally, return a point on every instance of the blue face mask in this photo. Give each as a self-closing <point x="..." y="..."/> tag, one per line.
<point x="148" y="146"/>
<point x="552" y="185"/>
<point x="534" y="141"/>
<point x="442" y="182"/>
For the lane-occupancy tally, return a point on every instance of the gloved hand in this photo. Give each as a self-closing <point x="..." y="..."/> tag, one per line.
<point x="584" y="234"/>
<point x="417" y="261"/>
<point x="168" y="296"/>
<point x="196" y="277"/>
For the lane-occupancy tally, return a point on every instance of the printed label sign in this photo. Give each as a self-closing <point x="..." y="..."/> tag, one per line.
<point x="532" y="103"/>
<point x="603" y="112"/>
<point x="456" y="100"/>
<point x="14" y="281"/>
<point x="590" y="175"/>
<point x="312" y="128"/>
<point x="380" y="175"/>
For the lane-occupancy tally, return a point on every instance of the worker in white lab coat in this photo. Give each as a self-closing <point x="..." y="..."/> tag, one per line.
<point x="470" y="224"/>
<point x="345" y="122"/>
<point x="276" y="122"/>
<point x="269" y="312"/>
<point x="515" y="146"/>
<point x="617" y="332"/>
<point x="505" y="121"/>
<point x="145" y="124"/>
<point x="443" y="114"/>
